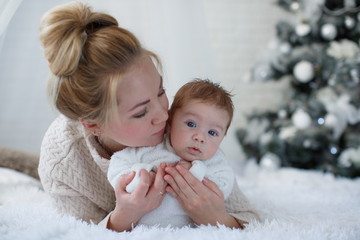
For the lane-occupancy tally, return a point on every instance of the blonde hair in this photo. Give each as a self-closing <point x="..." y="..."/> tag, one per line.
<point x="87" y="53"/>
<point x="205" y="91"/>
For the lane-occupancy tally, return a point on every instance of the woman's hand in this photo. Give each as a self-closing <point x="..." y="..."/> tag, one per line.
<point x="185" y="164"/>
<point x="130" y="207"/>
<point x="203" y="201"/>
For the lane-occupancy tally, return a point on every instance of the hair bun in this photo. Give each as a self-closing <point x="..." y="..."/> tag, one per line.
<point x="63" y="33"/>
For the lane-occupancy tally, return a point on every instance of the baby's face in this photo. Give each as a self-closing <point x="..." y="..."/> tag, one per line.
<point x="197" y="129"/>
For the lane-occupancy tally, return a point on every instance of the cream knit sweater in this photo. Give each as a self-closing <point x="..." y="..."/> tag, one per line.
<point x="75" y="175"/>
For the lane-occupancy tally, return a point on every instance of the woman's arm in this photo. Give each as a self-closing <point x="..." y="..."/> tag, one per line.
<point x="203" y="201"/>
<point x="239" y="206"/>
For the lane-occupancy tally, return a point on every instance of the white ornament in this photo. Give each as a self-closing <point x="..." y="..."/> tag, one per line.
<point x="349" y="22"/>
<point x="301" y="119"/>
<point x="295" y="6"/>
<point x="285" y="48"/>
<point x="328" y="31"/>
<point x="304" y="71"/>
<point x="270" y="161"/>
<point x="303" y="29"/>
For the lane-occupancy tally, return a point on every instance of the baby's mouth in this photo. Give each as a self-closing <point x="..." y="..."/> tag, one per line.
<point x="194" y="150"/>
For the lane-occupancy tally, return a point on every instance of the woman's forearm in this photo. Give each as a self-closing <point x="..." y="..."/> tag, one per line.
<point x="121" y="222"/>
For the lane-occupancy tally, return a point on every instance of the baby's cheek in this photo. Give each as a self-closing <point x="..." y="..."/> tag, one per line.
<point x="210" y="151"/>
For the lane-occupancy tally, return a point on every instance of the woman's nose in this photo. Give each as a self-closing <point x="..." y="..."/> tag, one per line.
<point x="160" y="116"/>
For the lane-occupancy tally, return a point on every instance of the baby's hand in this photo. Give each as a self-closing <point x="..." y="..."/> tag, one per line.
<point x="185" y="164"/>
<point x="198" y="169"/>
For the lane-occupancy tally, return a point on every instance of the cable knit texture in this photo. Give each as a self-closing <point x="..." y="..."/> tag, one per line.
<point x="75" y="175"/>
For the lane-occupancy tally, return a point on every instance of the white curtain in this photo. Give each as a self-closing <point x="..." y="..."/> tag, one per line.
<point x="176" y="30"/>
<point x="7" y="10"/>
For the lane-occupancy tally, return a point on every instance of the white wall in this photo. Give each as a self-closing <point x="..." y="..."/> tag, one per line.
<point x="219" y="40"/>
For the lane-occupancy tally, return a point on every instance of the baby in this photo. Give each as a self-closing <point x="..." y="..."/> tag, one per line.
<point x="199" y="118"/>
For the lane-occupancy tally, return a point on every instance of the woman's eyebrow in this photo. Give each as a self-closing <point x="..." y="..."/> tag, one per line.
<point x="148" y="100"/>
<point x="139" y="104"/>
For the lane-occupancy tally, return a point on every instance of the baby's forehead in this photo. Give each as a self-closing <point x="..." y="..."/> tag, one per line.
<point x="209" y="113"/>
<point x="194" y="104"/>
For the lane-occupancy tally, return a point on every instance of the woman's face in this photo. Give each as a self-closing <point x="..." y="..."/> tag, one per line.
<point x="142" y="109"/>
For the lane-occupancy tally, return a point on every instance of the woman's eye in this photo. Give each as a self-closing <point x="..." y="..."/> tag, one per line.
<point x="161" y="92"/>
<point x="191" y="124"/>
<point x="213" y="133"/>
<point x="140" y="115"/>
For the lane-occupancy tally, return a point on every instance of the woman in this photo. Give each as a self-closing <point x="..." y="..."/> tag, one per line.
<point x="110" y="94"/>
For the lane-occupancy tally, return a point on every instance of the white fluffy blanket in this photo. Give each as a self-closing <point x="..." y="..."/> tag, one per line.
<point x="294" y="204"/>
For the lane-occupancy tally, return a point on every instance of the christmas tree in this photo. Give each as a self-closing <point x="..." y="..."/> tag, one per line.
<point x="318" y="124"/>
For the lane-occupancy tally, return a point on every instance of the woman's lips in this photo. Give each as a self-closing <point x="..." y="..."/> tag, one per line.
<point x="161" y="132"/>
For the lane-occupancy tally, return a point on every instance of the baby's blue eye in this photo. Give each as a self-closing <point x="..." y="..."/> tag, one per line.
<point x="191" y="124"/>
<point x="213" y="133"/>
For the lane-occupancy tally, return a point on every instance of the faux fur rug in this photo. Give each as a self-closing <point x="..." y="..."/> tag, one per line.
<point x="294" y="204"/>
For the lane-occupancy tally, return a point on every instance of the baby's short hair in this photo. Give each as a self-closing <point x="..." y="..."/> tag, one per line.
<point x="205" y="91"/>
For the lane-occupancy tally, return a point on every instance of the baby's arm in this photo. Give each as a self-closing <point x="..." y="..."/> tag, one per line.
<point x="137" y="168"/>
<point x="124" y="162"/>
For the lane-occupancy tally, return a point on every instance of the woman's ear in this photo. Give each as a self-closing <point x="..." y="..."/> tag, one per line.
<point x="91" y="127"/>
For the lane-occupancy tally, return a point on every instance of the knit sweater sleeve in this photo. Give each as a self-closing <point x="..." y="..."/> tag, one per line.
<point x="238" y="206"/>
<point x="220" y="172"/>
<point x="71" y="177"/>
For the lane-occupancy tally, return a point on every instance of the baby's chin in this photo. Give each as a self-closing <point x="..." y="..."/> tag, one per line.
<point x="190" y="157"/>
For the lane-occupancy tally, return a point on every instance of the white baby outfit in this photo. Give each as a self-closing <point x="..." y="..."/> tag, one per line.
<point x="170" y="211"/>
